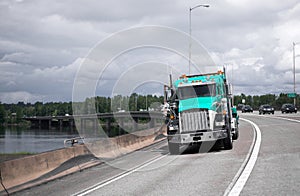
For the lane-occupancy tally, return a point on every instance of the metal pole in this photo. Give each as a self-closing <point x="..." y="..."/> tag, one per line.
<point x="190" y="44"/>
<point x="190" y="29"/>
<point x="294" y="70"/>
<point x="232" y="84"/>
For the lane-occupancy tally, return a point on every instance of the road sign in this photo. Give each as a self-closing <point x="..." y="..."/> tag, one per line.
<point x="291" y="95"/>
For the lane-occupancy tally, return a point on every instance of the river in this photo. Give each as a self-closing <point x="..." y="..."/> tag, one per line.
<point x="20" y="139"/>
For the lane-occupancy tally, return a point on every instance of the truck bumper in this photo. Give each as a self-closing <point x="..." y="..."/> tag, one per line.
<point x="187" y="138"/>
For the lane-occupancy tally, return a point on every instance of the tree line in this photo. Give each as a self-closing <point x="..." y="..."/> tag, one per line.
<point x="255" y="101"/>
<point x="13" y="113"/>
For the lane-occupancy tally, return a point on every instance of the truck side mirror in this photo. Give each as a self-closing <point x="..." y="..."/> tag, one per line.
<point x="230" y="89"/>
<point x="167" y="93"/>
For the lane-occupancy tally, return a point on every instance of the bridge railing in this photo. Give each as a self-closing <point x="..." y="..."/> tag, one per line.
<point x="114" y="124"/>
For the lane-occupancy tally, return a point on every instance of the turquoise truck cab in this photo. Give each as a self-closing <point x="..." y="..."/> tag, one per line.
<point x="200" y="111"/>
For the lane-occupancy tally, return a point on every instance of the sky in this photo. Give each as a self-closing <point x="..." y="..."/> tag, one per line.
<point x="46" y="44"/>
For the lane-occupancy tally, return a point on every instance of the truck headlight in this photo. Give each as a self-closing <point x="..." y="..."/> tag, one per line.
<point x="172" y="117"/>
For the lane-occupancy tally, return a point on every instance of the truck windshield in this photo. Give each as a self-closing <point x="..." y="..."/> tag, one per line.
<point x="206" y="90"/>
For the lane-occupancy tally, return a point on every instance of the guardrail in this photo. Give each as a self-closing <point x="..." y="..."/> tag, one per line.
<point x="69" y="120"/>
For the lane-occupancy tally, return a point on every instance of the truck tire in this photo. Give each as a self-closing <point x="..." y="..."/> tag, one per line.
<point x="236" y="135"/>
<point x="228" y="142"/>
<point x="173" y="148"/>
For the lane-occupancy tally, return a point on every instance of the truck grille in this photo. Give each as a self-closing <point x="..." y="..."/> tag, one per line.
<point x="195" y="121"/>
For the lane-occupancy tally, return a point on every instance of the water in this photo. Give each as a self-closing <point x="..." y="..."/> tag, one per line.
<point x="20" y="139"/>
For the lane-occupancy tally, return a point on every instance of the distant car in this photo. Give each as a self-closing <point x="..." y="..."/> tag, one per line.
<point x="288" y="108"/>
<point x="266" y="109"/>
<point x="240" y="106"/>
<point x="247" y="108"/>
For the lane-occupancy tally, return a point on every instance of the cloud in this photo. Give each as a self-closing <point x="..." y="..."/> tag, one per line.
<point x="43" y="42"/>
<point x="42" y="84"/>
<point x="20" y="96"/>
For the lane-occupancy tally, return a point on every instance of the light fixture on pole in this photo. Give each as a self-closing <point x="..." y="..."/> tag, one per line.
<point x="190" y="24"/>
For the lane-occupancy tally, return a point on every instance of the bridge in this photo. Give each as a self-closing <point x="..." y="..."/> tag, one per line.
<point x="86" y="120"/>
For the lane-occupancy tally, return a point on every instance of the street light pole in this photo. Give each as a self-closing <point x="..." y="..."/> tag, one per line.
<point x="190" y="25"/>
<point x="294" y="69"/>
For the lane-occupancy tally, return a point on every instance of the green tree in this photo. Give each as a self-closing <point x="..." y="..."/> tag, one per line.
<point x="19" y="115"/>
<point x="2" y="114"/>
<point x="256" y="102"/>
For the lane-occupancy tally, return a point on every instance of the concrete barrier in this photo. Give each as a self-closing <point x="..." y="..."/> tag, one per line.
<point x="117" y="146"/>
<point x="19" y="171"/>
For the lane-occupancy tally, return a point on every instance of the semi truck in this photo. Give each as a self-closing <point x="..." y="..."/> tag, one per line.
<point x="200" y="110"/>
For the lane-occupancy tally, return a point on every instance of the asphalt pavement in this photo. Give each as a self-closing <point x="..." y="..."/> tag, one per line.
<point x="277" y="170"/>
<point x="153" y="171"/>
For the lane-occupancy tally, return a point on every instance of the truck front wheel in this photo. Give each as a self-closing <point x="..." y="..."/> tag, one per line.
<point x="228" y="142"/>
<point x="235" y="136"/>
<point x="174" y="148"/>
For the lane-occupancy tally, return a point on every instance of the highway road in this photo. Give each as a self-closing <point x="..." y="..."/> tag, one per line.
<point x="265" y="160"/>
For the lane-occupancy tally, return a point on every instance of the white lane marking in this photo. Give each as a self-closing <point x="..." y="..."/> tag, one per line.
<point x="246" y="169"/>
<point x="242" y="166"/>
<point x="117" y="177"/>
<point x="278" y="117"/>
<point x="282" y="118"/>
